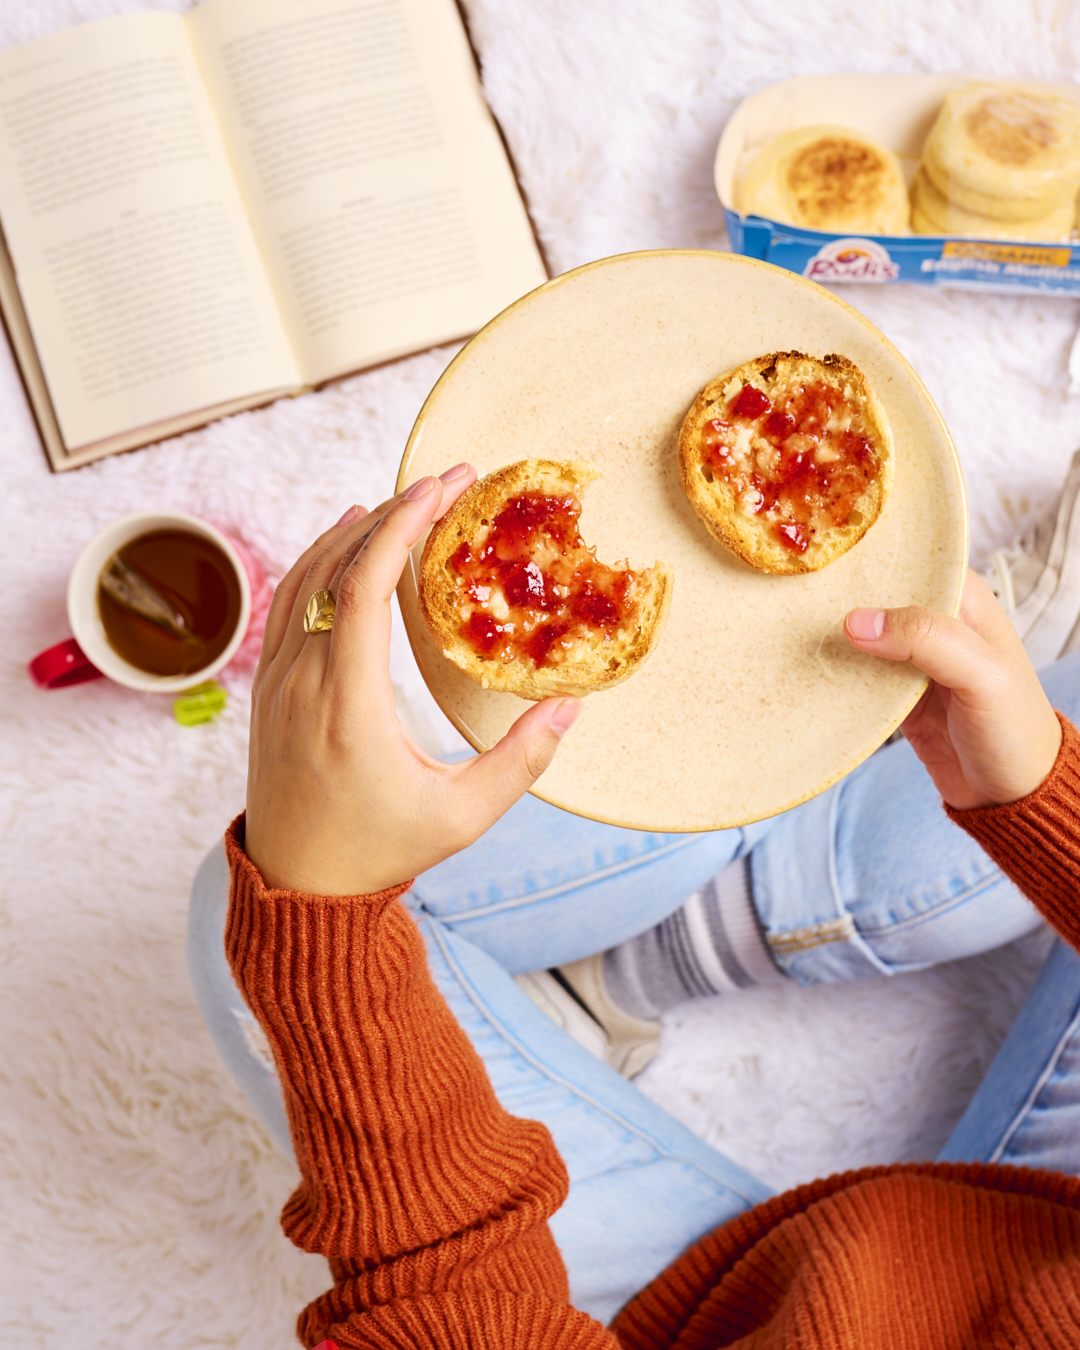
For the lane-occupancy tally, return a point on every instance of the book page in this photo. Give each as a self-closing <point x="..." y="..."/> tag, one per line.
<point x="379" y="189"/>
<point x="140" y="277"/>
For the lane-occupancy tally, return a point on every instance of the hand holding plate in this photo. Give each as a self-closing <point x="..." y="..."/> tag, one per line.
<point x="984" y="729"/>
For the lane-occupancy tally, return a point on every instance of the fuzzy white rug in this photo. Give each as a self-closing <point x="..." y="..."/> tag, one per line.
<point x="139" y="1197"/>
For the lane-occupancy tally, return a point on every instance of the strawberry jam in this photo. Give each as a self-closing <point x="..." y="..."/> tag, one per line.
<point x="801" y="462"/>
<point x="532" y="589"/>
<point x="750" y="402"/>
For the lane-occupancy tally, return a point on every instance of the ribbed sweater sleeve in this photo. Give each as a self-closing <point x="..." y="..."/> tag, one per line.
<point x="916" y="1256"/>
<point x="1036" y="841"/>
<point x="430" y="1201"/>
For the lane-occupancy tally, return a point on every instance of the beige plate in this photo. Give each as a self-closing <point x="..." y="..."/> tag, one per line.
<point x="753" y="700"/>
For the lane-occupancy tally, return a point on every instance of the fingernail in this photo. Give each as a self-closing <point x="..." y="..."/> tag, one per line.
<point x="565" y="715"/>
<point x="866" y="624"/>
<point x="349" y="516"/>
<point x="420" y="489"/>
<point x="458" y="471"/>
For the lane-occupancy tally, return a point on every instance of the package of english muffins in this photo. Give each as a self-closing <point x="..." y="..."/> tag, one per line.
<point x="944" y="180"/>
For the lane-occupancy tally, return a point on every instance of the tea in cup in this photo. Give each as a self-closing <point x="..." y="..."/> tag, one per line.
<point x="157" y="601"/>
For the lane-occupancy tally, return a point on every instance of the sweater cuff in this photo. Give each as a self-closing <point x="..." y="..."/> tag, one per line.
<point x="1036" y="841"/>
<point x="411" y="1171"/>
<point x="249" y="876"/>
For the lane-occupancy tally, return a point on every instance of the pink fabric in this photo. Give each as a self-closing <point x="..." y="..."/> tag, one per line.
<point x="262" y="585"/>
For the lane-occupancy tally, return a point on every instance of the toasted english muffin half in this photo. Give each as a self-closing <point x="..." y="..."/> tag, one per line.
<point x="516" y="600"/>
<point x="933" y="213"/>
<point x="1010" y="151"/>
<point x="827" y="178"/>
<point x="788" y="460"/>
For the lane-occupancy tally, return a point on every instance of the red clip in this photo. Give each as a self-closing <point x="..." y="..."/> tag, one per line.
<point x="64" y="664"/>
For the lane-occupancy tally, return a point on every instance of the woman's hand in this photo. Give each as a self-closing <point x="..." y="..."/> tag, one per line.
<point x="984" y="729"/>
<point x="340" y="801"/>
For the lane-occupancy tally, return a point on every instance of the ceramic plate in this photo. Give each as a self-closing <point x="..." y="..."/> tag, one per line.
<point x="753" y="700"/>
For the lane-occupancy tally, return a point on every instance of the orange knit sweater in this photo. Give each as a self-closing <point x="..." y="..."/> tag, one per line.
<point x="431" y="1202"/>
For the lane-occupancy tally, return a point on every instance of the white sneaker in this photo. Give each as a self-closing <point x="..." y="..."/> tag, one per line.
<point x="1037" y="581"/>
<point x="556" y="1002"/>
<point x="576" y="999"/>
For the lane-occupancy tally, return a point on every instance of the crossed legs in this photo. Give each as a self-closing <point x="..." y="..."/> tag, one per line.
<point x="869" y="878"/>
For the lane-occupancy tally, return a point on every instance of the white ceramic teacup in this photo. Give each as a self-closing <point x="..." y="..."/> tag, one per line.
<point x="61" y="665"/>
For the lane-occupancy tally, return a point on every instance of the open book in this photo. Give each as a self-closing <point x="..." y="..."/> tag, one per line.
<point x="204" y="212"/>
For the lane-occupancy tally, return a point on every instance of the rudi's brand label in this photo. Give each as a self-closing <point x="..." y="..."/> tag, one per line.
<point x="852" y="260"/>
<point x="982" y="264"/>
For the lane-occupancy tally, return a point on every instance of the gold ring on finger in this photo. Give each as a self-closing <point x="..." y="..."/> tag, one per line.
<point x="319" y="615"/>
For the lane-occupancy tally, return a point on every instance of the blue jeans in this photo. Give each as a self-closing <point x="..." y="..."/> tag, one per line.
<point x="871" y="877"/>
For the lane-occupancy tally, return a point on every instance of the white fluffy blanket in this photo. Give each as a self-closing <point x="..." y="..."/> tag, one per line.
<point x="139" y="1197"/>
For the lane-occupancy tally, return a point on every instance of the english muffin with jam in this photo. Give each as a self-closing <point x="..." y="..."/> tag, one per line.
<point x="517" y="600"/>
<point x="788" y="460"/>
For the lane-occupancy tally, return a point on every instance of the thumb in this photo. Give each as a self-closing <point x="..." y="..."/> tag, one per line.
<point x="946" y="649"/>
<point x="493" y="782"/>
